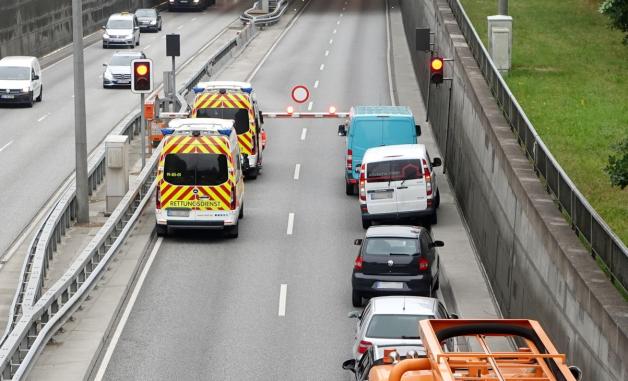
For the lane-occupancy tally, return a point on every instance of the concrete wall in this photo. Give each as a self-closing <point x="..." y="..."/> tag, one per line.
<point x="38" y="27"/>
<point x="537" y="267"/>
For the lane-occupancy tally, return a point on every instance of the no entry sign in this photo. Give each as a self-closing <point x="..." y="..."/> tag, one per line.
<point x="300" y="94"/>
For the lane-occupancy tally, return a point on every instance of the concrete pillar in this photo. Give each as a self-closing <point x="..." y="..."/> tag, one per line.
<point x="500" y="41"/>
<point x="117" y="163"/>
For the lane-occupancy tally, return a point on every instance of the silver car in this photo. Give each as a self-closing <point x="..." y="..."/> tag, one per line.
<point x="390" y="320"/>
<point x="118" y="70"/>
<point x="122" y="29"/>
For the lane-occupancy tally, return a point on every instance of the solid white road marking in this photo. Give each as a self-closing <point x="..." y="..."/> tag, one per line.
<point x="303" y="133"/>
<point x="316" y="84"/>
<point x="11" y="142"/>
<point x="388" y="58"/>
<point x="290" y="224"/>
<point x="127" y="312"/>
<point x="326" y="53"/>
<point x="322" y="67"/>
<point x="283" y="291"/>
<point x="309" y="106"/>
<point x="297" y="171"/>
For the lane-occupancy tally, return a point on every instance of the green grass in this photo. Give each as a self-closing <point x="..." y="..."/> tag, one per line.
<point x="570" y="75"/>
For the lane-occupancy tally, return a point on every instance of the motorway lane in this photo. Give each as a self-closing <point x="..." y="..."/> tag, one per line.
<point x="210" y="308"/>
<point x="39" y="142"/>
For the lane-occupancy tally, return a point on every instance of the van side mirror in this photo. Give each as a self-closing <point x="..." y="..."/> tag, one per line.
<point x="418" y="130"/>
<point x="349" y="365"/>
<point x="35" y="77"/>
<point x="342" y="130"/>
<point x="354" y="315"/>
<point x="261" y="118"/>
<point x="104" y="65"/>
<point x="575" y="372"/>
<point x="437" y="162"/>
<point x="437" y="244"/>
<point x="358" y="242"/>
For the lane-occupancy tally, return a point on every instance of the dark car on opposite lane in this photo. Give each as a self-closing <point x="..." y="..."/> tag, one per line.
<point x="395" y="260"/>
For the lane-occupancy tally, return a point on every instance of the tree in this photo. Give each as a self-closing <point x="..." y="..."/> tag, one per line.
<point x="617" y="167"/>
<point x="617" y="11"/>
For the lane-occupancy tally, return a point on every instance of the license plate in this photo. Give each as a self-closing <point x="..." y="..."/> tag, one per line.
<point x="178" y="213"/>
<point x="124" y="81"/>
<point x="393" y="285"/>
<point x="381" y="195"/>
<point x="8" y="96"/>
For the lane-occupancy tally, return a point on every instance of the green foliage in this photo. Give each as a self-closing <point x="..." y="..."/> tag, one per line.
<point x="617" y="167"/>
<point x="617" y="11"/>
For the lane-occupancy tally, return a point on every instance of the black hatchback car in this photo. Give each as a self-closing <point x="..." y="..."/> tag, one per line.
<point x="395" y="260"/>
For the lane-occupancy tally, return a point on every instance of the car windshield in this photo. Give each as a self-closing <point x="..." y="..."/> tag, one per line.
<point x="145" y="13"/>
<point x="120" y="24"/>
<point x="388" y="246"/>
<point x="393" y="170"/>
<point x="122" y="60"/>
<point x="239" y="115"/>
<point x="395" y="326"/>
<point x="196" y="169"/>
<point x="15" y="73"/>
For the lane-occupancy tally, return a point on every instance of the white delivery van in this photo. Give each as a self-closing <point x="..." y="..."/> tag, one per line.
<point x="20" y="80"/>
<point x="398" y="182"/>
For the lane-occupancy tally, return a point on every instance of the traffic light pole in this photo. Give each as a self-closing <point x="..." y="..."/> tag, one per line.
<point x="142" y="131"/>
<point x="80" y="129"/>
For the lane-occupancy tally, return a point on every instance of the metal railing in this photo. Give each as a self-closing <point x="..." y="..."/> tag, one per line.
<point x="32" y="325"/>
<point x="276" y="11"/>
<point x="585" y="221"/>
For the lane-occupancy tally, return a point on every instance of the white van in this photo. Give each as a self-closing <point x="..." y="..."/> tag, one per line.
<point x="20" y="80"/>
<point x="398" y="182"/>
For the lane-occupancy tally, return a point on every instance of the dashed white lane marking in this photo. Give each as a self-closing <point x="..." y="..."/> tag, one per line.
<point x="309" y="106"/>
<point x="147" y="46"/>
<point x="303" y="133"/>
<point x="127" y="312"/>
<point x="290" y="224"/>
<point x="334" y="32"/>
<point x="179" y="27"/>
<point x="43" y="117"/>
<point x="341" y="15"/>
<point x="297" y="171"/>
<point x="193" y="18"/>
<point x="331" y="41"/>
<point x="283" y="293"/>
<point x="322" y="67"/>
<point x="338" y="22"/>
<point x="316" y="84"/>
<point x="11" y="142"/>
<point x="326" y="53"/>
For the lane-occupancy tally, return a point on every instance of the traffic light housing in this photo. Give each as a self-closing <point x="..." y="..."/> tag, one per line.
<point x="142" y="76"/>
<point x="437" y="69"/>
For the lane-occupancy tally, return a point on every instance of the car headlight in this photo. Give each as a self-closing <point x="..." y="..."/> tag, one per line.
<point x="108" y="75"/>
<point x="195" y="1"/>
<point x="153" y="22"/>
<point x="26" y="89"/>
<point x="105" y="35"/>
<point x="129" y="37"/>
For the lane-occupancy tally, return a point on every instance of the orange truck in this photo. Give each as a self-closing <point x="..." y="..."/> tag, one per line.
<point x="535" y="358"/>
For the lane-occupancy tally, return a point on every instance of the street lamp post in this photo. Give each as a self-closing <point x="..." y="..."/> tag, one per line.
<point x="502" y="7"/>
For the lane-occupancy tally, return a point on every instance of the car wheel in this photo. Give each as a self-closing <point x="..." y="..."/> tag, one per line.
<point x="232" y="231"/>
<point x="241" y="214"/>
<point x="349" y="189"/>
<point x="41" y="94"/>
<point x="138" y="42"/>
<point x="252" y="173"/>
<point x="30" y="101"/>
<point x="356" y="298"/>
<point x="104" y="46"/>
<point x="162" y="230"/>
<point x="366" y="223"/>
<point x="436" y="285"/>
<point x="433" y="219"/>
<point x="159" y="29"/>
<point x="437" y="201"/>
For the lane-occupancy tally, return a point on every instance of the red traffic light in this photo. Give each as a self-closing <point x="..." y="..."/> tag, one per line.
<point x="437" y="66"/>
<point x="142" y="76"/>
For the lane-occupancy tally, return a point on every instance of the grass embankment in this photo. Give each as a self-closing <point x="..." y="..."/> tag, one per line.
<point x="570" y="74"/>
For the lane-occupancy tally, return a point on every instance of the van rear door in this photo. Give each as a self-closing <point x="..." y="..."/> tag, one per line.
<point x="411" y="190"/>
<point x="380" y="186"/>
<point x="363" y="134"/>
<point x="398" y="131"/>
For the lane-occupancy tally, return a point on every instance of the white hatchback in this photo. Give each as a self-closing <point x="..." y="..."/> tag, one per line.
<point x="388" y="320"/>
<point x="398" y="182"/>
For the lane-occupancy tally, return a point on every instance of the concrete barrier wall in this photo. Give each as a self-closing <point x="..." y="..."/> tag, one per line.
<point x="38" y="27"/>
<point x="537" y="267"/>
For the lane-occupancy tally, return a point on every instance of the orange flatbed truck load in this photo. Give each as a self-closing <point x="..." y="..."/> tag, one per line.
<point x="536" y="359"/>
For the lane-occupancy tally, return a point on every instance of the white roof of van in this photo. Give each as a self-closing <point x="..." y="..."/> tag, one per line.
<point x="224" y="84"/>
<point x="17" y="60"/>
<point x="395" y="152"/>
<point x="201" y="123"/>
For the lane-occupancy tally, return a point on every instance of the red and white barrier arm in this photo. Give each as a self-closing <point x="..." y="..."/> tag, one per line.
<point x="305" y="114"/>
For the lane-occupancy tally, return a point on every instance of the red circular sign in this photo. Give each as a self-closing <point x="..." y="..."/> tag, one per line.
<point x="300" y="94"/>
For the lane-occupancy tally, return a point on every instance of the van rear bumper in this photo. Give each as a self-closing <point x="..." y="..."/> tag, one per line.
<point x="398" y="215"/>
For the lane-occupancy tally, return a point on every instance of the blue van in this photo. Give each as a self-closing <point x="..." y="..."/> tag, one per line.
<point x="374" y="126"/>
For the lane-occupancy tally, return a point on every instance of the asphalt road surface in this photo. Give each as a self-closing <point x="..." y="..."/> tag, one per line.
<point x="37" y="145"/>
<point x="211" y="308"/>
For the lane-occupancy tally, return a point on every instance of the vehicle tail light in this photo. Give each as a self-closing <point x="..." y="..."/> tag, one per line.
<point x="349" y="159"/>
<point x="363" y="182"/>
<point x="430" y="203"/>
<point x="423" y="264"/>
<point x="359" y="263"/>
<point x="364" y="346"/>
<point x="428" y="178"/>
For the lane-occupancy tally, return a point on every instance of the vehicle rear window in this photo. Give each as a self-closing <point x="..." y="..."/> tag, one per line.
<point x="388" y="246"/>
<point x="394" y="170"/>
<point x="395" y="326"/>
<point x="15" y="73"/>
<point x="120" y="24"/>
<point x="196" y="169"/>
<point x="239" y="115"/>
<point x="145" y="12"/>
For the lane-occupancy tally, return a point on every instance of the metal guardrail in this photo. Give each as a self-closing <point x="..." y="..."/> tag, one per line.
<point x="32" y="325"/>
<point x="585" y="221"/>
<point x="264" y="20"/>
